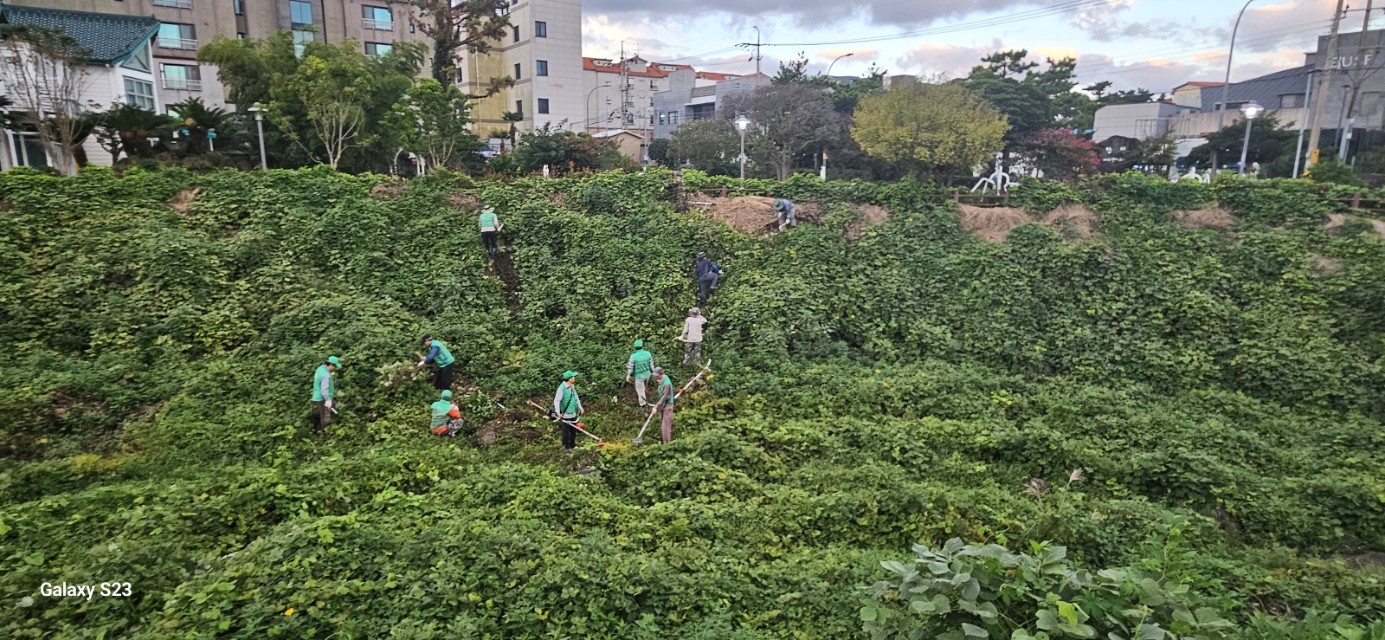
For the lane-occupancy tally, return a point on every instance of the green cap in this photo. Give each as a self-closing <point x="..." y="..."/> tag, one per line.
<point x="568" y="375"/>
<point x="334" y="361"/>
<point x="639" y="344"/>
<point x="446" y="394"/>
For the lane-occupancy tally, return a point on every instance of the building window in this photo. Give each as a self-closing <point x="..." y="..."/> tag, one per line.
<point x="1291" y="101"/>
<point x="139" y="93"/>
<point x="377" y="18"/>
<point x="300" y="14"/>
<point x="540" y="29"/>
<point x="663" y="118"/>
<point x="540" y="67"/>
<point x="301" y="40"/>
<point x="653" y="85"/>
<point x="517" y="68"/>
<point x="176" y="4"/>
<point x="240" y="35"/>
<point x="673" y="117"/>
<point x="1370" y="105"/>
<point x="543" y="105"/>
<point x="173" y="35"/>
<point x="28" y="150"/>
<point x="181" y="77"/>
<point x="378" y="49"/>
<point x="516" y="34"/>
<point x="238" y="7"/>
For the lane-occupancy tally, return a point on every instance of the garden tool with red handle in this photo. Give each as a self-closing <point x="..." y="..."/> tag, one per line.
<point x="639" y="438"/>
<point x="574" y="425"/>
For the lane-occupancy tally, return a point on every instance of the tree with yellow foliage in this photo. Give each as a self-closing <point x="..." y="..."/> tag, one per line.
<point x="929" y="127"/>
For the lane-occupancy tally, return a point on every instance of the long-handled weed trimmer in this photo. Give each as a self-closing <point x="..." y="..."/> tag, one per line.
<point x="639" y="438"/>
<point x="574" y="425"/>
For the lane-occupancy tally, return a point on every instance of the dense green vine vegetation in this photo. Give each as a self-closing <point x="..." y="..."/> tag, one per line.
<point x="1194" y="416"/>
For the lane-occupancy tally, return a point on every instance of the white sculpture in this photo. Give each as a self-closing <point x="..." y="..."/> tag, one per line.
<point x="999" y="180"/>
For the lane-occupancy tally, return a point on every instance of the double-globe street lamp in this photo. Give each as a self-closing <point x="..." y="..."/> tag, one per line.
<point x="1250" y="110"/>
<point x="742" y="123"/>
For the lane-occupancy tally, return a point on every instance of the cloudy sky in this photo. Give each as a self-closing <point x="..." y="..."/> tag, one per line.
<point x="1154" y="44"/>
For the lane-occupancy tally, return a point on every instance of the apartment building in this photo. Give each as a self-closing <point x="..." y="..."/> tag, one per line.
<point x="186" y="25"/>
<point x="543" y="54"/>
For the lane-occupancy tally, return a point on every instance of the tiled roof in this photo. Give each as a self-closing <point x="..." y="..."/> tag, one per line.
<point x="652" y="69"/>
<point x="109" y="37"/>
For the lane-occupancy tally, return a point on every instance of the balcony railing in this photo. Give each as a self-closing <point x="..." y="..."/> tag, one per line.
<point x="176" y="4"/>
<point x="178" y="43"/>
<point x="378" y="25"/>
<point x="182" y="84"/>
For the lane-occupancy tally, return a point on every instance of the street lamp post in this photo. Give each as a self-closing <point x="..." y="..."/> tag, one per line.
<point x="741" y="123"/>
<point x="1226" y="82"/>
<point x="1302" y="123"/>
<point x="259" y="125"/>
<point x="834" y="61"/>
<point x="587" y="104"/>
<point x="1250" y="110"/>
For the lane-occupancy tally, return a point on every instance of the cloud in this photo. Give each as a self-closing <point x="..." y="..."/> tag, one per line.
<point x="899" y="13"/>
<point x="949" y="60"/>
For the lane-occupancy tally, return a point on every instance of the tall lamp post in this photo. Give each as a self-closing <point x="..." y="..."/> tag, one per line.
<point x="588" y="105"/>
<point x="259" y="125"/>
<point x="834" y="61"/>
<point x="1226" y="82"/>
<point x="741" y="123"/>
<point x="1250" y="110"/>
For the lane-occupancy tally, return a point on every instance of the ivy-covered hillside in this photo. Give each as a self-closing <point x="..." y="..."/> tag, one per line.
<point x="1150" y="431"/>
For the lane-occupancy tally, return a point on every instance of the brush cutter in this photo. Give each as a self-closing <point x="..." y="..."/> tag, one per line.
<point x="574" y="425"/>
<point x="639" y="438"/>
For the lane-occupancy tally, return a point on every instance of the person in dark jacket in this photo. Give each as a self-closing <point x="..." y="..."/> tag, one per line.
<point x="707" y="273"/>
<point x="439" y="355"/>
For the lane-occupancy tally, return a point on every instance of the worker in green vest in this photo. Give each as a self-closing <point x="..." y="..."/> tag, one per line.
<point x="666" y="394"/>
<point x="446" y="416"/>
<point x="490" y="229"/>
<point x="638" y="369"/>
<point x="440" y="356"/>
<point x="567" y="406"/>
<point x="325" y="392"/>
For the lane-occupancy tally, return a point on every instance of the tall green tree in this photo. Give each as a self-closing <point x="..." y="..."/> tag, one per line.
<point x="1034" y="97"/>
<point x="788" y="121"/>
<point x="710" y="145"/>
<point x="1268" y="142"/>
<point x="475" y="26"/>
<point x="431" y="121"/>
<point x="929" y="127"/>
<point x="328" y="104"/>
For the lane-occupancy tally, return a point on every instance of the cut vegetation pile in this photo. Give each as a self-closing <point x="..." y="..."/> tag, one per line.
<point x="752" y="214"/>
<point x="993" y="224"/>
<point x="1335" y="222"/>
<point x="1206" y="218"/>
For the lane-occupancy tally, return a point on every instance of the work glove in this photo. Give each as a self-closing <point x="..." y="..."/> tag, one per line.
<point x="327" y="404"/>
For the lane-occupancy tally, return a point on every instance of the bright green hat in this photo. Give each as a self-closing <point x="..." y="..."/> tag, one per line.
<point x="334" y="361"/>
<point x="568" y="375"/>
<point x="447" y="394"/>
<point x="639" y="344"/>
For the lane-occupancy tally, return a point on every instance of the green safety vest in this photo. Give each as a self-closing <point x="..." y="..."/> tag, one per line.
<point x="667" y="387"/>
<point x="444" y="356"/>
<point x="568" y="405"/>
<point x="489" y="221"/>
<point x="317" y="383"/>
<point x="644" y="364"/>
<point x="440" y="417"/>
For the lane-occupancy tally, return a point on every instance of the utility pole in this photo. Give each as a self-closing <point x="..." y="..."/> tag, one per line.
<point x="624" y="87"/>
<point x="757" y="51"/>
<point x="1325" y="65"/>
<point x="1357" y="75"/>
